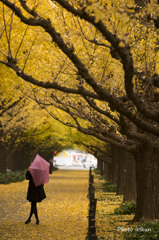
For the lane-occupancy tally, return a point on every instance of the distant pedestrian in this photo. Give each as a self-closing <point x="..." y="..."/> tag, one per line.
<point x="51" y="166"/>
<point x="34" y="195"/>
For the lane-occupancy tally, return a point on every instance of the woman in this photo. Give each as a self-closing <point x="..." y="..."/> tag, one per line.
<point x="34" y="195"/>
<point x="51" y="166"/>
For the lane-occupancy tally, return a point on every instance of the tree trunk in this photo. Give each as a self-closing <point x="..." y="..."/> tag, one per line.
<point x="147" y="180"/>
<point x="115" y="165"/>
<point x="126" y="184"/>
<point x="121" y="171"/>
<point x="107" y="171"/>
<point x="129" y="190"/>
<point x="3" y="162"/>
<point x="100" y="166"/>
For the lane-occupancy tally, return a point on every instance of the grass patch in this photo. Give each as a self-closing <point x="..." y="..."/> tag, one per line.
<point x="126" y="208"/>
<point x="96" y="171"/>
<point x="9" y="177"/>
<point x="18" y="176"/>
<point x="102" y="177"/>
<point x="109" y="187"/>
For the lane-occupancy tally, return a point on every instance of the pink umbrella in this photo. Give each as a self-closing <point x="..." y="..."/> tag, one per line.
<point x="39" y="170"/>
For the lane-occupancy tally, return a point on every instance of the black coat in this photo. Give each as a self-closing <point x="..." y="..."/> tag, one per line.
<point x="35" y="194"/>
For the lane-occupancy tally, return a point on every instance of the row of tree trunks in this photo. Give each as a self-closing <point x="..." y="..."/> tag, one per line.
<point x="19" y="160"/>
<point x="15" y="160"/>
<point x="120" y="171"/>
<point x="137" y="178"/>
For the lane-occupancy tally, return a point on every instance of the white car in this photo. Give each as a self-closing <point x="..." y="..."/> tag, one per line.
<point x="88" y="164"/>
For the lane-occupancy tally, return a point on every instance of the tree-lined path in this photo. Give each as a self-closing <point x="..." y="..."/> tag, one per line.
<point x="63" y="214"/>
<point x="92" y="66"/>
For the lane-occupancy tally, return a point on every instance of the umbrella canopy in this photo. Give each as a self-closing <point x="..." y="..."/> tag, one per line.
<point x="39" y="170"/>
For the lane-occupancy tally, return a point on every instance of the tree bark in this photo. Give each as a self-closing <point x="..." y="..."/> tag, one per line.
<point x="147" y="179"/>
<point x="129" y="190"/>
<point x="107" y="171"/>
<point x="100" y="166"/>
<point x="126" y="183"/>
<point x="3" y="162"/>
<point x="115" y="165"/>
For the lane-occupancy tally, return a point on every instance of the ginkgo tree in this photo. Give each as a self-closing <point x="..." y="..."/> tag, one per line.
<point x="26" y="129"/>
<point x="102" y="58"/>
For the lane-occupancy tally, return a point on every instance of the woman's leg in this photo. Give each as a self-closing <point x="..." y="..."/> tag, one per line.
<point x="35" y="212"/>
<point x="31" y="213"/>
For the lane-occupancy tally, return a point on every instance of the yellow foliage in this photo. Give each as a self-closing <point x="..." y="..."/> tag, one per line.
<point x="39" y="57"/>
<point x="94" y="9"/>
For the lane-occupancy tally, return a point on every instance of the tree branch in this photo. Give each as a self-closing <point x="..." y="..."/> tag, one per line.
<point x="83" y="71"/>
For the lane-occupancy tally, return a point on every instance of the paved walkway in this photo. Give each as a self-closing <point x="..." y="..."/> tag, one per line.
<point x="63" y="214"/>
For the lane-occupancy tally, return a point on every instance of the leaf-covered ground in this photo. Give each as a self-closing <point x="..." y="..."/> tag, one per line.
<point x="109" y="226"/>
<point x="63" y="214"/>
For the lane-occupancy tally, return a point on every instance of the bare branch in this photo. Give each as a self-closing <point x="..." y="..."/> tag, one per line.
<point x="92" y="40"/>
<point x="29" y="53"/>
<point x="21" y="41"/>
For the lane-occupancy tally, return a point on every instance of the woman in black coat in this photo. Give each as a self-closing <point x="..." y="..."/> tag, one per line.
<point x="34" y="195"/>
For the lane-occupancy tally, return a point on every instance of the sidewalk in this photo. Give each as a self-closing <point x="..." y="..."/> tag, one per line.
<point x="63" y="214"/>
